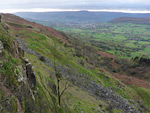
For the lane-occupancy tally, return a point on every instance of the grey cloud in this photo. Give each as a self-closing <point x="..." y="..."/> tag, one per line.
<point x="73" y="4"/>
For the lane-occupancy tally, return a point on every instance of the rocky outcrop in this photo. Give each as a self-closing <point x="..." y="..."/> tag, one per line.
<point x="1" y="47"/>
<point x="30" y="73"/>
<point x="18" y="51"/>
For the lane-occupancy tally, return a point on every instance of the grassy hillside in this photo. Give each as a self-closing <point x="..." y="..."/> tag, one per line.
<point x="121" y="39"/>
<point x="91" y="89"/>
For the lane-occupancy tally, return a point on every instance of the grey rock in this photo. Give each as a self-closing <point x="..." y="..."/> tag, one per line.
<point x="30" y="74"/>
<point x="18" y="51"/>
<point x="26" y="61"/>
<point x="1" y="47"/>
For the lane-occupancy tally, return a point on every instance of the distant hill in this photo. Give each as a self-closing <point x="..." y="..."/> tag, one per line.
<point x="131" y="20"/>
<point x="76" y="16"/>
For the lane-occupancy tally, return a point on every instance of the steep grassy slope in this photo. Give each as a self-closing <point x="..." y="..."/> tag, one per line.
<point x="90" y="91"/>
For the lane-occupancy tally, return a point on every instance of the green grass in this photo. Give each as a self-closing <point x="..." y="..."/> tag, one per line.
<point x="75" y="99"/>
<point x="147" y="50"/>
<point x="63" y="56"/>
<point x="144" y="94"/>
<point x="116" y="33"/>
<point x="81" y="101"/>
<point x="131" y="44"/>
<point x="143" y="42"/>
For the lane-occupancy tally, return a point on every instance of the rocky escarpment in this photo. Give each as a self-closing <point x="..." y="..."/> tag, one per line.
<point x="87" y="84"/>
<point x="19" y="52"/>
<point x="21" y="72"/>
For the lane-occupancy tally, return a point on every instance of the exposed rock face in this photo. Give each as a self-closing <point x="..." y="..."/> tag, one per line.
<point x="18" y="51"/>
<point x="1" y="47"/>
<point x="23" y="72"/>
<point x="30" y="73"/>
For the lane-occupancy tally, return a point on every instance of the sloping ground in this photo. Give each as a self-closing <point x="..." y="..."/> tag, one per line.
<point x="24" y="24"/>
<point x="81" y="80"/>
<point x="101" y="92"/>
<point x="132" y="80"/>
<point x="129" y="80"/>
<point x="138" y="69"/>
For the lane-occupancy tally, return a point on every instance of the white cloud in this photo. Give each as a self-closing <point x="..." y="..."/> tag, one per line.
<point x="29" y="4"/>
<point x="59" y="10"/>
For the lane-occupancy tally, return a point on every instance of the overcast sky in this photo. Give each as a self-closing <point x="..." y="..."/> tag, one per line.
<point x="74" y="4"/>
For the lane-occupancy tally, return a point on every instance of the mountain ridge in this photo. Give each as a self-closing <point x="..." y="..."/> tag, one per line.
<point x="131" y="20"/>
<point x="75" y="16"/>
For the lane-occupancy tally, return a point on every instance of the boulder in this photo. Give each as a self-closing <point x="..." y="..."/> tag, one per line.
<point x="26" y="61"/>
<point x="42" y="58"/>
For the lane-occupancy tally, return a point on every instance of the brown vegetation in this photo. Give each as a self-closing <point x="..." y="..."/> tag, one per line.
<point x="9" y="18"/>
<point x="104" y="54"/>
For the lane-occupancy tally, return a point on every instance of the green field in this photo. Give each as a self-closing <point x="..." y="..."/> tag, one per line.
<point x="122" y="39"/>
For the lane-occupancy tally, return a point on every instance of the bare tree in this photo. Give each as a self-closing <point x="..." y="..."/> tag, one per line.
<point x="60" y="80"/>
